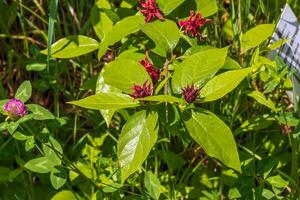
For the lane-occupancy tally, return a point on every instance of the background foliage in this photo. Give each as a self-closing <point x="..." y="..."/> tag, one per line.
<point x="258" y="111"/>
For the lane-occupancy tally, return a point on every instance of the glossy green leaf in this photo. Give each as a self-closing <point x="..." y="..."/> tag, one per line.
<point x="162" y="98"/>
<point x="207" y="7"/>
<point x="64" y="195"/>
<point x="213" y="135"/>
<point x="223" y="83"/>
<point x="152" y="185"/>
<point x="58" y="177"/>
<point x="167" y="6"/>
<point x="197" y="68"/>
<point x="165" y="34"/>
<point x="72" y="46"/>
<point x="137" y="138"/>
<point x="102" y="87"/>
<point x="124" y="73"/>
<point x="104" y="101"/>
<point x="256" y="36"/>
<point x="100" y="21"/>
<point x="120" y="30"/>
<point x="24" y="91"/>
<point x="260" y="98"/>
<point x="39" y="112"/>
<point x="39" y="165"/>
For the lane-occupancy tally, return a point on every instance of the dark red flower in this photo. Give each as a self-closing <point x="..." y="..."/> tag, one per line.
<point x="153" y="72"/>
<point x="190" y="93"/>
<point x="193" y="24"/>
<point x="142" y="91"/>
<point x="150" y="10"/>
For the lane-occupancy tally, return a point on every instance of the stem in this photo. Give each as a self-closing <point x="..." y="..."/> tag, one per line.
<point x="166" y="68"/>
<point x="240" y="32"/>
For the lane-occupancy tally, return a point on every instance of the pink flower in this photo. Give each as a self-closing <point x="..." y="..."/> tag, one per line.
<point x="153" y="72"/>
<point x="193" y="24"/>
<point x="150" y="10"/>
<point x="142" y="91"/>
<point x="15" y="108"/>
<point x="190" y="93"/>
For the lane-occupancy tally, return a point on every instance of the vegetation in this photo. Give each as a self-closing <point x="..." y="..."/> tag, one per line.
<point x="165" y="99"/>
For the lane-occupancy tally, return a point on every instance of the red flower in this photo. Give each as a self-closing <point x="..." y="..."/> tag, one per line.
<point x="193" y="24"/>
<point x="190" y="93"/>
<point x="153" y="72"/>
<point x="150" y="10"/>
<point x="142" y="91"/>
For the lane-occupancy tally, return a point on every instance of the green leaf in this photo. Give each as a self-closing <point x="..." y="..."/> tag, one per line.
<point x="30" y="143"/>
<point x="36" y="66"/>
<point x="277" y="181"/>
<point x="213" y="135"/>
<point x="20" y="136"/>
<point x="165" y="34"/>
<point x="256" y="36"/>
<point x="24" y="91"/>
<point x="162" y="98"/>
<point x="137" y="138"/>
<point x="223" y="83"/>
<point x="207" y="7"/>
<point x="124" y="73"/>
<point x="72" y="46"/>
<point x="231" y="64"/>
<point x="4" y="174"/>
<point x="277" y="44"/>
<point x="112" y="100"/>
<point x="152" y="185"/>
<point x="39" y="165"/>
<point x="102" y="87"/>
<point x="167" y="6"/>
<point x="58" y="177"/>
<point x="100" y="21"/>
<point x="53" y="151"/>
<point x="64" y="195"/>
<point x="120" y="30"/>
<point x="197" y="68"/>
<point x="40" y="113"/>
<point x="260" y="98"/>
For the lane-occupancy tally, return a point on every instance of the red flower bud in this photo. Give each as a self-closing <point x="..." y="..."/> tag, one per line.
<point x="150" y="10"/>
<point x="193" y="24"/>
<point x="153" y="72"/>
<point x="142" y="91"/>
<point x="190" y="93"/>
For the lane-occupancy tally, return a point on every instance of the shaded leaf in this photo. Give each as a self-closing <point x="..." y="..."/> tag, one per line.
<point x="260" y="98"/>
<point x="152" y="185"/>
